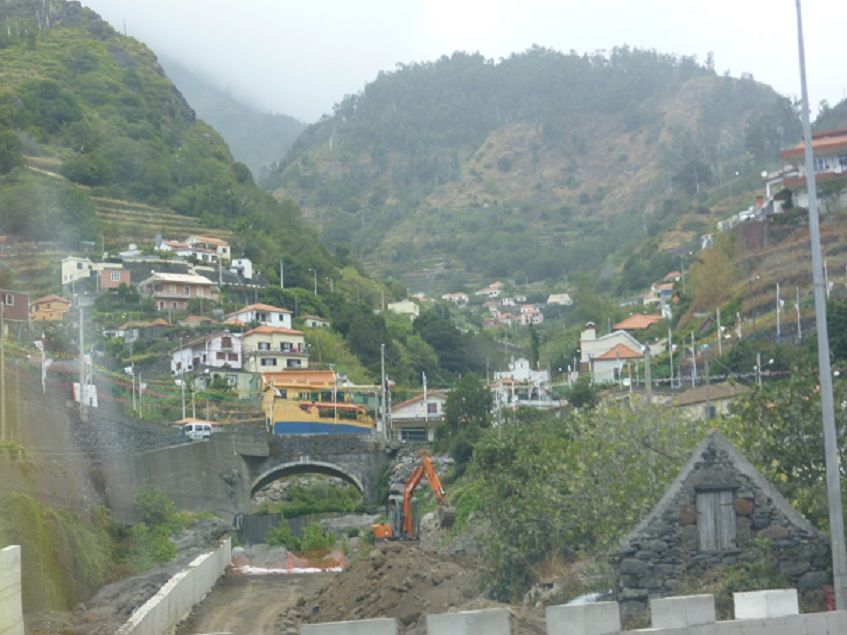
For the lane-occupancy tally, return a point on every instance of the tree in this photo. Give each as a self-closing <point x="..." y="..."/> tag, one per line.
<point x="10" y="151"/>
<point x="714" y="274"/>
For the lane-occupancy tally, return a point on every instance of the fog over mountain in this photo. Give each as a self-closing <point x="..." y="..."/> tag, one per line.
<point x="300" y="58"/>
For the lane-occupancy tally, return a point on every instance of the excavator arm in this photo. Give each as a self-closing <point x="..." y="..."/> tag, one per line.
<point x="446" y="515"/>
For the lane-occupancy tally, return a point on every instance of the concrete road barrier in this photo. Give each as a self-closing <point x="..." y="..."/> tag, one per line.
<point x="179" y="594"/>
<point x="380" y="626"/>
<point x="600" y="618"/>
<point x="487" y="621"/>
<point x="11" y="603"/>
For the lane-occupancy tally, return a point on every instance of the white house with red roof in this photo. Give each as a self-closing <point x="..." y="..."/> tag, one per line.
<point x="262" y="314"/>
<point x="416" y="419"/>
<point x="607" y="356"/>
<point x="829" y="148"/>
<point x="220" y="349"/>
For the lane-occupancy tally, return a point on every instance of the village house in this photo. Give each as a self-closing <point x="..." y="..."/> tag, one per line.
<point x="14" y="305"/>
<point x="76" y="268"/>
<point x="219" y="247"/>
<point x="242" y="267"/>
<point x="404" y="307"/>
<point x="507" y="301"/>
<point x="493" y="290"/>
<point x="522" y="386"/>
<point x="560" y="299"/>
<point x="135" y="329"/>
<point x="717" y="512"/>
<point x="708" y="401"/>
<point x="415" y="420"/>
<point x="456" y="299"/>
<point x="829" y="148"/>
<point x="269" y="348"/>
<point x="605" y="357"/>
<point x="314" y="321"/>
<point x="261" y="314"/>
<point x="216" y="350"/>
<point x="50" y="308"/>
<point x="530" y="315"/>
<point x="173" y="291"/>
<point x="108" y="279"/>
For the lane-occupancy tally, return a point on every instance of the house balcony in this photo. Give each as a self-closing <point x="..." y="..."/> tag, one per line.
<point x="276" y="353"/>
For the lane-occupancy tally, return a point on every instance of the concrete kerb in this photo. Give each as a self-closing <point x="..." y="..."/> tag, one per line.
<point x="600" y="618"/>
<point x="380" y="626"/>
<point x="770" y="603"/>
<point x="687" y="610"/>
<point x="487" y="621"/>
<point x="179" y="594"/>
<point x="11" y="603"/>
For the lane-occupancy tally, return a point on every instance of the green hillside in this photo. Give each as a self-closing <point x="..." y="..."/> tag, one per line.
<point x="79" y="100"/>
<point x="255" y="138"/>
<point x="532" y="167"/>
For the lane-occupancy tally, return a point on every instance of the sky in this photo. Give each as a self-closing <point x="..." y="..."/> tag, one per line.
<point x="300" y="57"/>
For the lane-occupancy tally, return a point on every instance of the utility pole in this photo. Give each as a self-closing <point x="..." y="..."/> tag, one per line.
<point x="720" y="346"/>
<point x="2" y="371"/>
<point x="281" y="274"/>
<point x="833" y="469"/>
<point x="648" y="377"/>
<point x="182" y="377"/>
<point x="132" y="368"/>
<point x="759" y="370"/>
<point x="670" y="352"/>
<point x="778" y="313"/>
<point x="81" y="357"/>
<point x="693" y="362"/>
<point x="797" y="308"/>
<point x="140" y="400"/>
<point x="382" y="386"/>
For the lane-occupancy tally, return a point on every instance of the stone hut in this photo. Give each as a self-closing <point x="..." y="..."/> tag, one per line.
<point x="711" y="515"/>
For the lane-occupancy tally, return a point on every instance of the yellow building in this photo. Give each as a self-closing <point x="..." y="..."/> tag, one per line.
<point x="50" y="308"/>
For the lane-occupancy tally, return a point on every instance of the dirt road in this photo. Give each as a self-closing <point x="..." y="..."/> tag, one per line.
<point x="250" y="605"/>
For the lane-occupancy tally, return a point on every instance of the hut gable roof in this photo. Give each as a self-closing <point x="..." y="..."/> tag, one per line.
<point x="717" y="442"/>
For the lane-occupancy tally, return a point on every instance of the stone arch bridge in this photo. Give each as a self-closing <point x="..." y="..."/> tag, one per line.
<point x="220" y="475"/>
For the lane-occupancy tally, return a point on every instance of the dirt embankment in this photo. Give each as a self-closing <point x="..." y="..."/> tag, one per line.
<point x="402" y="581"/>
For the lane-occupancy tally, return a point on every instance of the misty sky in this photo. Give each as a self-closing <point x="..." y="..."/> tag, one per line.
<point x="299" y="57"/>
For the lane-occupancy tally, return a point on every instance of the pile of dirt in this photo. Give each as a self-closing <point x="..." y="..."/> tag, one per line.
<point x="402" y="581"/>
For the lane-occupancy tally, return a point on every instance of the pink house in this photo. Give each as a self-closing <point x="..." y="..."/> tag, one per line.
<point x="114" y="278"/>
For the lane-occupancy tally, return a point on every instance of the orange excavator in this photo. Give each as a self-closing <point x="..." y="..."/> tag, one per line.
<point x="402" y="510"/>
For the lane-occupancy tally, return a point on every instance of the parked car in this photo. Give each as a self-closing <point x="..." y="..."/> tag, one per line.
<point x="197" y="431"/>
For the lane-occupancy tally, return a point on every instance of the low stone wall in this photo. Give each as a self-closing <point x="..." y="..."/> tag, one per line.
<point x="771" y="612"/>
<point x="11" y="604"/>
<point x="175" y="599"/>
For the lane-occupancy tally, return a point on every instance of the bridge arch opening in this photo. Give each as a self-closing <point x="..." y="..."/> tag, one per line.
<point x="296" y="468"/>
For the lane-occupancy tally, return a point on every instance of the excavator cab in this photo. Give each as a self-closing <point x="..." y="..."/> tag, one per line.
<point x="403" y="517"/>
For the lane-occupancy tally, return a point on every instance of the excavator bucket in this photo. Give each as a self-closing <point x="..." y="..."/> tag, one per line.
<point x="446" y="517"/>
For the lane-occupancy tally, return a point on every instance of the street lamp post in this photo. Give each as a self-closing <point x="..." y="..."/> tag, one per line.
<point x="315" y="272"/>
<point x="833" y="469"/>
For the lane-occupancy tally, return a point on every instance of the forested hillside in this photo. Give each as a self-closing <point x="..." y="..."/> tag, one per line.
<point x="531" y="167"/>
<point x="79" y="100"/>
<point x="255" y="138"/>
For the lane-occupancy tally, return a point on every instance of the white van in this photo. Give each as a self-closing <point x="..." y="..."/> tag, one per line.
<point x="195" y="431"/>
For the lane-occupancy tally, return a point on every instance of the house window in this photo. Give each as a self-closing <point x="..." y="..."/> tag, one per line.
<point x="716" y="519"/>
<point x="226" y="342"/>
<point x="432" y="408"/>
<point x="268" y="361"/>
<point x="173" y="305"/>
<point x="821" y="164"/>
<point x="293" y="363"/>
<point x="233" y="357"/>
<point x="842" y="161"/>
<point x="220" y="355"/>
<point x="186" y="291"/>
<point x="116" y="277"/>
<point x="9" y="299"/>
<point x="413" y="435"/>
<point x="79" y="265"/>
<point x="264" y="346"/>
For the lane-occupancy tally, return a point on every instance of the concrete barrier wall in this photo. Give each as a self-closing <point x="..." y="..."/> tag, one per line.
<point x="11" y="604"/>
<point x="179" y="594"/>
<point x="687" y="615"/>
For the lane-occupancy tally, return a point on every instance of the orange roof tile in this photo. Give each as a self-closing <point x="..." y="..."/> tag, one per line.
<point x="621" y="351"/>
<point x="638" y="322"/>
